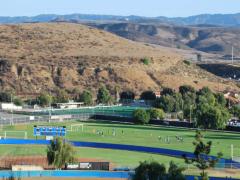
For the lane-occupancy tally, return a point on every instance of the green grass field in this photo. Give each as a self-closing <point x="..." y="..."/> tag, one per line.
<point x="125" y="134"/>
<point x="124" y="158"/>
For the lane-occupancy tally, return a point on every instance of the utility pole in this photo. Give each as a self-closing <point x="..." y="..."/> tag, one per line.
<point x="182" y="110"/>
<point x="49" y="115"/>
<point x="232" y="55"/>
<point x="50" y="108"/>
<point x="190" y="114"/>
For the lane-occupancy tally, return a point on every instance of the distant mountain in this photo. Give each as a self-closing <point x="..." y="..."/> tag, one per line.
<point x="210" y="39"/>
<point x="215" y="19"/>
<point x="53" y="17"/>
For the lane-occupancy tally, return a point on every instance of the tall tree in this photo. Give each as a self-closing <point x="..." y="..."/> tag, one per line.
<point x="127" y="95"/>
<point x="141" y="116"/>
<point x="59" y="153"/>
<point x="205" y="95"/>
<point x="220" y="99"/>
<point x="212" y="117"/>
<point x="148" y="95"/>
<point x="61" y="96"/>
<point x="201" y="158"/>
<point x="178" y="102"/>
<point x="45" y="99"/>
<point x="235" y="111"/>
<point x="167" y="91"/>
<point x="188" y="100"/>
<point x="175" y="172"/>
<point x="150" y="171"/>
<point x="165" y="102"/>
<point x="86" y="97"/>
<point x="186" y="89"/>
<point x="154" y="171"/>
<point x="156" y="113"/>
<point x="5" y="97"/>
<point x="103" y="95"/>
<point x="17" y="101"/>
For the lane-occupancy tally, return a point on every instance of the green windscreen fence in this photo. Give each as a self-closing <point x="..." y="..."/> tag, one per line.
<point x="125" y="111"/>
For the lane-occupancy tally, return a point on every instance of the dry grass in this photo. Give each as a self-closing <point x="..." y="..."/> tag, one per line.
<point x="233" y="173"/>
<point x="38" y="57"/>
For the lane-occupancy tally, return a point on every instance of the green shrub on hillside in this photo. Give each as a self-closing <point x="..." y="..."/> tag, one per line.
<point x="187" y="62"/>
<point x="145" y="61"/>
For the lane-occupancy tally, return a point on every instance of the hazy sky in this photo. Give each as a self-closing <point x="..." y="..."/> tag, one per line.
<point x="118" y="7"/>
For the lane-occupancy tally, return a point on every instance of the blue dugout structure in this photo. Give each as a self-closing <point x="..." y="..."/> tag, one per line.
<point x="152" y="150"/>
<point x="49" y="130"/>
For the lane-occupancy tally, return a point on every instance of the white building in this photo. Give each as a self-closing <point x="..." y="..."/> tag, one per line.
<point x="9" y="106"/>
<point x="69" y="105"/>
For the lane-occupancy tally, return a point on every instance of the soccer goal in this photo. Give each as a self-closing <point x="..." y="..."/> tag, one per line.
<point x="76" y="127"/>
<point x="15" y="134"/>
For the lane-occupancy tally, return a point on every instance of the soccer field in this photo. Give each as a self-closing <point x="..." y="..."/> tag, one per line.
<point x="163" y="137"/>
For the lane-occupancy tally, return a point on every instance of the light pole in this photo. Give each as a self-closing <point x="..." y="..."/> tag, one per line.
<point x="190" y="114"/>
<point x="49" y="115"/>
<point x="11" y="110"/>
<point x="50" y="108"/>
<point x="182" y="110"/>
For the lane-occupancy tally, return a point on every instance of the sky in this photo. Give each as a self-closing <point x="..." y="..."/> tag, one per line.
<point x="150" y="8"/>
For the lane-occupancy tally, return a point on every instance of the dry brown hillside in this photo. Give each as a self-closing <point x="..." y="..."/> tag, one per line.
<point x="41" y="57"/>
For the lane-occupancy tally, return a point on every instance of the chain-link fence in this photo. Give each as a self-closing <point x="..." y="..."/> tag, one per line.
<point x="45" y="118"/>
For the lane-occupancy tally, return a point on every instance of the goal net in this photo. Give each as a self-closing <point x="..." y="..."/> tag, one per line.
<point x="15" y="134"/>
<point x="76" y="127"/>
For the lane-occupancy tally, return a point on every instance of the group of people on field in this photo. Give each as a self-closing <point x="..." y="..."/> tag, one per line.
<point x="113" y="132"/>
<point x="168" y="139"/>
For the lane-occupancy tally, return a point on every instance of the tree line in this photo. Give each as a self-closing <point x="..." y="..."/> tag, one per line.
<point x="203" y="107"/>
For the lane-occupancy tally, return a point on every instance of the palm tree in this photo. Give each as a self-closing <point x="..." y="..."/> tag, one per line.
<point x="59" y="153"/>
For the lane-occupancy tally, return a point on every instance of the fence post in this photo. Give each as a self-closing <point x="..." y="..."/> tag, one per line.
<point x="25" y="135"/>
